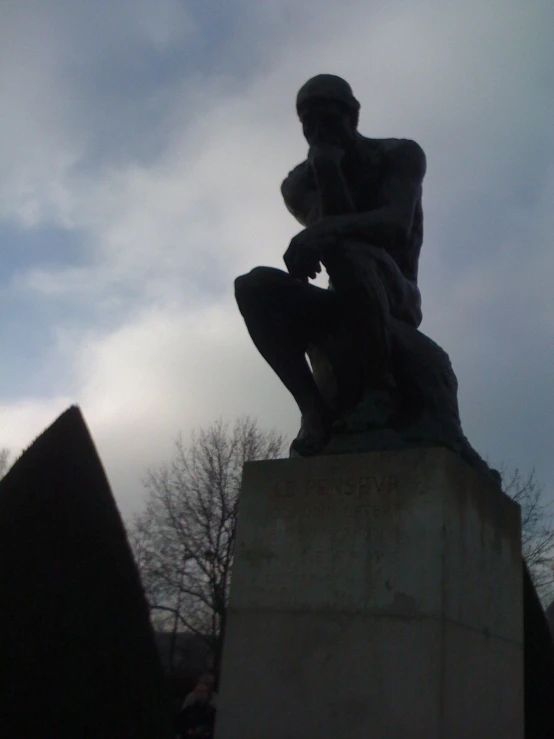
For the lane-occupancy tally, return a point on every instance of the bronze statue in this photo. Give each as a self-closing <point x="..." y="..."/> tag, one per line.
<point x="375" y="382"/>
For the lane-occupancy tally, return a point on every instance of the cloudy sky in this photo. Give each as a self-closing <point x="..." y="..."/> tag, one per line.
<point x="142" y="147"/>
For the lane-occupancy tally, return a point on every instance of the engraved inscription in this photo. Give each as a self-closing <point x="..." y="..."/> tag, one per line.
<point x="359" y="486"/>
<point x="334" y="538"/>
<point x="368" y="495"/>
<point x="283" y="488"/>
<point x="347" y="487"/>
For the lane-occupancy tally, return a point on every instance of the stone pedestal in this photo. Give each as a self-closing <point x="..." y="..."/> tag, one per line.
<point x="374" y="595"/>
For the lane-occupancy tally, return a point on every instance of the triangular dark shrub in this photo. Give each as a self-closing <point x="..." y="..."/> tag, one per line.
<point x="77" y="651"/>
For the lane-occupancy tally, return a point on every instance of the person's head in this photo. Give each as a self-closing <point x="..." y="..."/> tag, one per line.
<point x="201" y="693"/>
<point x="328" y="111"/>
<point x="208" y="680"/>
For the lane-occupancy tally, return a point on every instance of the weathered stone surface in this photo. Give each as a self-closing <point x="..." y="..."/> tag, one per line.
<point x="431" y="417"/>
<point x="374" y="595"/>
<point x="77" y="652"/>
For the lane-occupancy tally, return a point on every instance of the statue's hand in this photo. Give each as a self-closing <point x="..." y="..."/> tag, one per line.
<point x="324" y="155"/>
<point x="303" y="257"/>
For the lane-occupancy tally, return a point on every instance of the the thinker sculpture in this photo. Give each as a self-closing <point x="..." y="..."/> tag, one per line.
<point x="375" y="381"/>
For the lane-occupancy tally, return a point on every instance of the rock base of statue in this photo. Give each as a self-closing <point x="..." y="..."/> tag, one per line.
<point x="374" y="594"/>
<point x="421" y="411"/>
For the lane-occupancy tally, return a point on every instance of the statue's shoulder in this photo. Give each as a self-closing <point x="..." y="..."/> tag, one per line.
<point x="398" y="151"/>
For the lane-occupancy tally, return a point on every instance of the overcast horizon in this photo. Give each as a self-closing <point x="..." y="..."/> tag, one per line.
<point x="142" y="150"/>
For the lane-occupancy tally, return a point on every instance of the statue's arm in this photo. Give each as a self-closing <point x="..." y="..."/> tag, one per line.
<point x="300" y="194"/>
<point x="390" y="224"/>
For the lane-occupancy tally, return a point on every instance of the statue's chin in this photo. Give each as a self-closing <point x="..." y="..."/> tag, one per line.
<point x="327" y="140"/>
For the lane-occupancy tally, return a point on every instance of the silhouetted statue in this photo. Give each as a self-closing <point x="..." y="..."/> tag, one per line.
<point x="375" y="381"/>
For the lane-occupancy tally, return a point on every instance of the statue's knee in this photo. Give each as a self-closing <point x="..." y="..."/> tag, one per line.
<point x="241" y="284"/>
<point x="258" y="279"/>
<point x="248" y="289"/>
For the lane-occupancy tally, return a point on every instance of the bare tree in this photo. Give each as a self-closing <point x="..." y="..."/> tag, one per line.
<point x="184" y="539"/>
<point x="537" y="527"/>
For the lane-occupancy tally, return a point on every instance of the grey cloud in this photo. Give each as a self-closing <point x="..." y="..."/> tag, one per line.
<point x="471" y="82"/>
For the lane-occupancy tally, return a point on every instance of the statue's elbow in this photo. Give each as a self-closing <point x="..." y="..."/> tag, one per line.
<point x="401" y="232"/>
<point x="394" y="235"/>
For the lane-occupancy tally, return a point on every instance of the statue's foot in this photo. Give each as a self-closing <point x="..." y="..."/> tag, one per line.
<point x="314" y="434"/>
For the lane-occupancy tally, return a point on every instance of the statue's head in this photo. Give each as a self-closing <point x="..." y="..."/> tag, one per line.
<point x="328" y="111"/>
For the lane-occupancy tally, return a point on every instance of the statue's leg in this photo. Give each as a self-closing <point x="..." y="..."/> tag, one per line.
<point x="284" y="316"/>
<point x="356" y="274"/>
